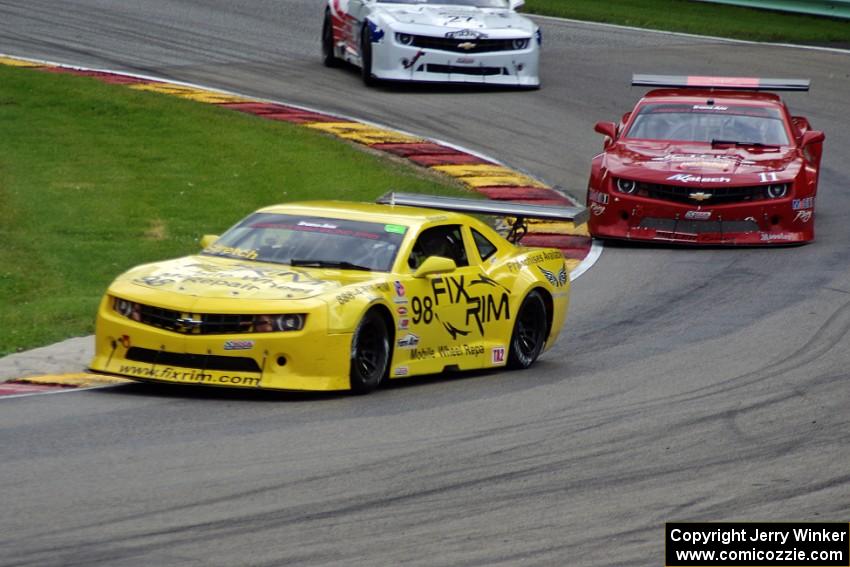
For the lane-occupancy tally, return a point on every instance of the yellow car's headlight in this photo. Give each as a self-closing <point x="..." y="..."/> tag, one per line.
<point x="277" y="323"/>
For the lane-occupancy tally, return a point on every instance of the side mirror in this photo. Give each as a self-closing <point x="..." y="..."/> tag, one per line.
<point x="435" y="265"/>
<point x="208" y="240"/>
<point x="812" y="137"/>
<point x="516" y="4"/>
<point x="607" y="129"/>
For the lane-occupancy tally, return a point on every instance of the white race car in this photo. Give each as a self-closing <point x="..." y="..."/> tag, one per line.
<point x="467" y="41"/>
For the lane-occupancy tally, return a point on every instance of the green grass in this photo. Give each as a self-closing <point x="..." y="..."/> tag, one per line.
<point x="702" y="18"/>
<point x="97" y="178"/>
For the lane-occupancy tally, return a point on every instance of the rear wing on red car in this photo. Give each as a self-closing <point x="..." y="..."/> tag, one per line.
<point x="518" y="211"/>
<point x="721" y="83"/>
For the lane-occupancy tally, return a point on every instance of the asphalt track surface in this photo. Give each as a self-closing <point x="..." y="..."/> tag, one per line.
<point x="689" y="385"/>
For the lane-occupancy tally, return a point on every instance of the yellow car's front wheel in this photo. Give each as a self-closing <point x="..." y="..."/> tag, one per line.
<point x="370" y="353"/>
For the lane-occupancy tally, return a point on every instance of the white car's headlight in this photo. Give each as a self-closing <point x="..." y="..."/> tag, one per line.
<point x="404" y="38"/>
<point x="520" y="43"/>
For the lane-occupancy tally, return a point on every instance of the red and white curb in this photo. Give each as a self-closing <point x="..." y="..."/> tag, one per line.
<point x="477" y="172"/>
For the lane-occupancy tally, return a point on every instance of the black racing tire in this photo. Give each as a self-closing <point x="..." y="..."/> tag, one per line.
<point x="328" y="56"/>
<point x="370" y="353"/>
<point x="529" y="334"/>
<point x="366" y="57"/>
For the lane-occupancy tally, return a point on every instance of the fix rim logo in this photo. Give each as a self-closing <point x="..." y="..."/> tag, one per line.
<point x="493" y="305"/>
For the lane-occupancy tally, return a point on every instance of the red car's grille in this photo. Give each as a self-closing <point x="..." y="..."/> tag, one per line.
<point x="695" y="196"/>
<point x="684" y="227"/>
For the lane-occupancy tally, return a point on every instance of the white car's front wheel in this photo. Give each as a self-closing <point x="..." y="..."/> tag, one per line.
<point x="329" y="58"/>
<point x="366" y="56"/>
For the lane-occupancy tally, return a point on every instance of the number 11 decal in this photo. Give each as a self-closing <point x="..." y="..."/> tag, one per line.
<point x="768" y="177"/>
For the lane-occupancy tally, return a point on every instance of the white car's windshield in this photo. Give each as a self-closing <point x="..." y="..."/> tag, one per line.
<point x="473" y="3"/>
<point x="709" y="123"/>
<point x="311" y="241"/>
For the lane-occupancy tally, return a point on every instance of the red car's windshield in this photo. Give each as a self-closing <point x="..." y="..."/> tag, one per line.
<point x="707" y="123"/>
<point x="311" y="241"/>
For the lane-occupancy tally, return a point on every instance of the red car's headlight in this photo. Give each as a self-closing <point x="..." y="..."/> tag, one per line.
<point x="777" y="190"/>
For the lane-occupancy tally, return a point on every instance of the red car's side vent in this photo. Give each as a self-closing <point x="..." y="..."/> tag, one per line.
<point x="725" y="83"/>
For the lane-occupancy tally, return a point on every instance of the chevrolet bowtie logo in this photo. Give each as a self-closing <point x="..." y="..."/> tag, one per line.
<point x="189" y="323"/>
<point x="700" y="196"/>
<point x="467" y="45"/>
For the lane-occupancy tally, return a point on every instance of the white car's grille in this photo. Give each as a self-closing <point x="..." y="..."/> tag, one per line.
<point x="464" y="45"/>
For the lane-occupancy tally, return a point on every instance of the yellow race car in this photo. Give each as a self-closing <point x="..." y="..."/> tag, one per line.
<point x="340" y="296"/>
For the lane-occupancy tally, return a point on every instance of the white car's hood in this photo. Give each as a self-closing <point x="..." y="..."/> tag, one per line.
<point x="460" y="18"/>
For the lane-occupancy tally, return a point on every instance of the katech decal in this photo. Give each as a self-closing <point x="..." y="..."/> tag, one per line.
<point x="687" y="178"/>
<point x="238" y="345"/>
<point x="401" y="371"/>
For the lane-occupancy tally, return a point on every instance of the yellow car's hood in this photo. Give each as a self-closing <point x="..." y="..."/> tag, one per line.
<point x="212" y="277"/>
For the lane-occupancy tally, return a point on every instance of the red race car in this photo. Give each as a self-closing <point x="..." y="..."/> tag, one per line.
<point x="707" y="160"/>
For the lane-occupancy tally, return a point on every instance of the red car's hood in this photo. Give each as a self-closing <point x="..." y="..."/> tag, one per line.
<point x="697" y="163"/>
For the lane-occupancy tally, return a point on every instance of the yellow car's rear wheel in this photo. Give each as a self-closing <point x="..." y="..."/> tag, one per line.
<point x="529" y="333"/>
<point x="370" y="353"/>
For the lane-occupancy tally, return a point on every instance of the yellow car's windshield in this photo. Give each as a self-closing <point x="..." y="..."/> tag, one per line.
<point x="312" y="241"/>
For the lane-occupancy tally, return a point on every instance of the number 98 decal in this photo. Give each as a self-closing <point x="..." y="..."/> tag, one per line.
<point x="423" y="310"/>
